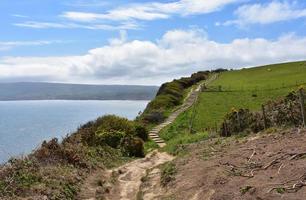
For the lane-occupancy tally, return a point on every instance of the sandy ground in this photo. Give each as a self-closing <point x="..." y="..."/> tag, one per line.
<point x="123" y="182"/>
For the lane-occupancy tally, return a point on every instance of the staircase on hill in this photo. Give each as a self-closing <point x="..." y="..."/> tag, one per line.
<point x="189" y="101"/>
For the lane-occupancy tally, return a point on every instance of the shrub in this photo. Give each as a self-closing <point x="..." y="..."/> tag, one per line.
<point x="19" y="176"/>
<point x="112" y="137"/>
<point x="112" y="122"/>
<point x="52" y="153"/>
<point x="132" y="146"/>
<point x="283" y="112"/>
<point x="168" y="96"/>
<point x="154" y="117"/>
<point x="141" y="132"/>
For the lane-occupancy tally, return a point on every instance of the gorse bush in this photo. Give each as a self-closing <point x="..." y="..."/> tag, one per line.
<point x="112" y="122"/>
<point x="141" y="132"/>
<point x="110" y="130"/>
<point x="112" y="137"/>
<point x="132" y="146"/>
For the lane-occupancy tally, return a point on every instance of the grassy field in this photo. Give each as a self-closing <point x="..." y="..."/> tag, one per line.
<point x="246" y="88"/>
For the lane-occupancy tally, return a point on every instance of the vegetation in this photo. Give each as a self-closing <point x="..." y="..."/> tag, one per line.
<point x="284" y="112"/>
<point x="246" y="88"/>
<point x="168" y="171"/>
<point x="56" y="169"/>
<point x="169" y="96"/>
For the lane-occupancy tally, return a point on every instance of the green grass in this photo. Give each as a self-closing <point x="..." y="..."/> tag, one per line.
<point x="168" y="172"/>
<point x="176" y="145"/>
<point x="246" y="88"/>
<point x="266" y="77"/>
<point x="149" y="146"/>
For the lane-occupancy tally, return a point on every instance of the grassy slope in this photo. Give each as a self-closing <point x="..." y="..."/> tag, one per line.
<point x="246" y="88"/>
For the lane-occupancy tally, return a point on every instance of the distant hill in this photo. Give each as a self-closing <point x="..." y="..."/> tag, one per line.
<point x="59" y="91"/>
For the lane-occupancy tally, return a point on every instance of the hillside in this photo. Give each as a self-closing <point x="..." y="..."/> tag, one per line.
<point x="196" y="162"/>
<point x="267" y="164"/>
<point x="58" y="91"/>
<point x="75" y="168"/>
<point x="245" y="88"/>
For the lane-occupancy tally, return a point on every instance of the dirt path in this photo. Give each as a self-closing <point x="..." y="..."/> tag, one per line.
<point x="129" y="180"/>
<point x="188" y="102"/>
<point x="123" y="183"/>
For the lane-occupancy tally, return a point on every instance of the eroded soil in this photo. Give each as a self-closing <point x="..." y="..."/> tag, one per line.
<point x="263" y="166"/>
<point x="123" y="182"/>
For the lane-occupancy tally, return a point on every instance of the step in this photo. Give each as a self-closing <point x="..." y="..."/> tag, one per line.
<point x="159" y="141"/>
<point x="154" y="131"/>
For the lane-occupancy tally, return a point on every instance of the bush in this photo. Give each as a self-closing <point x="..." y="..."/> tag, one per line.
<point x="283" y="112"/>
<point x="132" y="146"/>
<point x="141" y="132"/>
<point x="19" y="177"/>
<point x="52" y="152"/>
<point x="154" y="117"/>
<point x="115" y="123"/>
<point x="168" y="96"/>
<point x="112" y="137"/>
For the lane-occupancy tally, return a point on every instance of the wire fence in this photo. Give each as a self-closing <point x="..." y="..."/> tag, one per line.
<point x="290" y="111"/>
<point x="229" y="88"/>
<point x="271" y="114"/>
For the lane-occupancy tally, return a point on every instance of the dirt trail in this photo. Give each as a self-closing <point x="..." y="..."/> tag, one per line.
<point x="188" y="102"/>
<point x="129" y="181"/>
<point x="123" y="183"/>
<point x="126" y="179"/>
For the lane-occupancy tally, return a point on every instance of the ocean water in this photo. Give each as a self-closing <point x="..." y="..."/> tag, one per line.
<point x="25" y="124"/>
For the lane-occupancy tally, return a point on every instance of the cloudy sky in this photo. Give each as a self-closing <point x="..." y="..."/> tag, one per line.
<point x="146" y="41"/>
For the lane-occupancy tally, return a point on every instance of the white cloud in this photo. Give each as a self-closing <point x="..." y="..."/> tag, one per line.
<point x="267" y="13"/>
<point x="46" y="25"/>
<point x="152" y="11"/>
<point x="177" y="53"/>
<point x="86" y="3"/>
<point x="19" y="16"/>
<point x="128" y="17"/>
<point x="12" y="44"/>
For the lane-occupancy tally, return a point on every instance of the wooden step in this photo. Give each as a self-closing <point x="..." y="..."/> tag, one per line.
<point x="159" y="141"/>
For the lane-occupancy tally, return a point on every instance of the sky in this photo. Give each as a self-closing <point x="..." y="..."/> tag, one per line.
<point x="144" y="42"/>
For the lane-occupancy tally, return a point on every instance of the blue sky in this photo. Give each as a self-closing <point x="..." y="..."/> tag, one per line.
<point x="144" y="42"/>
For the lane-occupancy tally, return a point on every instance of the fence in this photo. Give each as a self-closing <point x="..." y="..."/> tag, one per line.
<point x="289" y="111"/>
<point x="230" y="88"/>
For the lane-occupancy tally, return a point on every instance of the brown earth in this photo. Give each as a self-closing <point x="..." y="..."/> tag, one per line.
<point x="122" y="182"/>
<point x="265" y="166"/>
<point x="260" y="167"/>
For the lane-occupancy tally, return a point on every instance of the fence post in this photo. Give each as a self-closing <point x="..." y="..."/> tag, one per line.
<point x="239" y="122"/>
<point x="225" y="128"/>
<point x="302" y="102"/>
<point x="264" y="116"/>
<point x="216" y="126"/>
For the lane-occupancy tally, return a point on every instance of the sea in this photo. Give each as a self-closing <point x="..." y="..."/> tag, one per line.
<point x="24" y="125"/>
